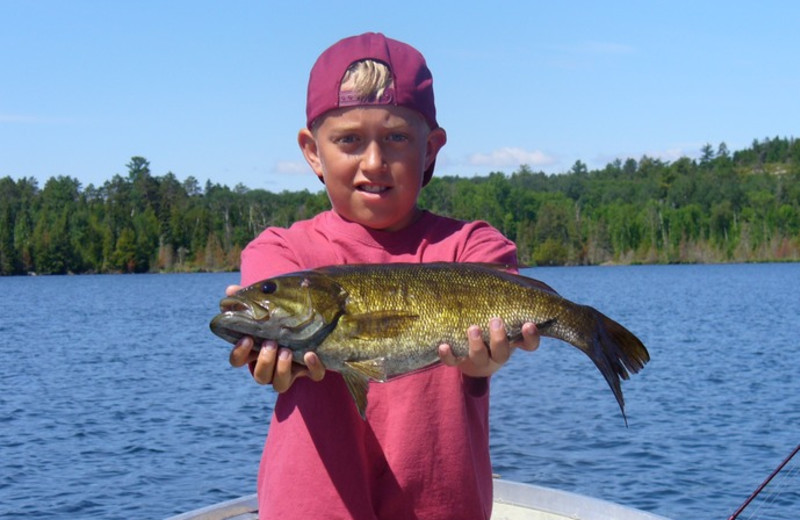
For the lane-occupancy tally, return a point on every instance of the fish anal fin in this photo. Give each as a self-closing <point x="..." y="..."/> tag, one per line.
<point x="545" y="325"/>
<point x="377" y="324"/>
<point x="514" y="333"/>
<point x="369" y="368"/>
<point x="357" y="385"/>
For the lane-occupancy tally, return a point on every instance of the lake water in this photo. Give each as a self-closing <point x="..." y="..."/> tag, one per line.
<point x="117" y="402"/>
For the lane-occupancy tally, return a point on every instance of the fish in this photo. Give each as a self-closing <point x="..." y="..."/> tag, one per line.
<point x="379" y="321"/>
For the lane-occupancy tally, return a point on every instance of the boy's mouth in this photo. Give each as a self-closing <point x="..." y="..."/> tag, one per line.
<point x="372" y="188"/>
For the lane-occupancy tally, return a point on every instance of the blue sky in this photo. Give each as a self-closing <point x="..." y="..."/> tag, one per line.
<point x="216" y="90"/>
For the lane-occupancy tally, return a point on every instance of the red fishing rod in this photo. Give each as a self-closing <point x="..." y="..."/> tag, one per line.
<point x="764" y="484"/>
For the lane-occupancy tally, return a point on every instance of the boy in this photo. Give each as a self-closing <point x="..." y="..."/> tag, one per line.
<point x="423" y="451"/>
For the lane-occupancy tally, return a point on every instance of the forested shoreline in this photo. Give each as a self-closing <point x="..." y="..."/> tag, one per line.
<point x="742" y="206"/>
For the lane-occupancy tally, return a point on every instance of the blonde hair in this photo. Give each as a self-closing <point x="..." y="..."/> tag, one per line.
<point x="367" y="79"/>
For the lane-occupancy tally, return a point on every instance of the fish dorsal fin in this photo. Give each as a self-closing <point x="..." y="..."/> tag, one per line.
<point x="376" y="324"/>
<point x="494" y="266"/>
<point x="488" y="266"/>
<point x="357" y="385"/>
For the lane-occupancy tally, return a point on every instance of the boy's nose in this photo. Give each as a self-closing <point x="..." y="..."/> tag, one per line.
<point x="372" y="159"/>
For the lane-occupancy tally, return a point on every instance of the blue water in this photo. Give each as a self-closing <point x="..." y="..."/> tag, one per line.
<point x="116" y="401"/>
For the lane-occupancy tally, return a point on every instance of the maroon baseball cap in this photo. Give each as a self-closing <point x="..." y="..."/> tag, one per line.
<point x="412" y="82"/>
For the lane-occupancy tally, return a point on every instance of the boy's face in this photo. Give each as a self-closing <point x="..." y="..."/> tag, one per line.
<point x="372" y="161"/>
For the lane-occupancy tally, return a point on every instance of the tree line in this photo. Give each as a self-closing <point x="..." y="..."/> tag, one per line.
<point x="722" y="207"/>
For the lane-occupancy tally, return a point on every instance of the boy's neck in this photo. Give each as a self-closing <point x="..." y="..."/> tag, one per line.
<point x="418" y="213"/>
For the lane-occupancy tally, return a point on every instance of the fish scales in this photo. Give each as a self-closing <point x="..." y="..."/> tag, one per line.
<point x="441" y="302"/>
<point x="383" y="320"/>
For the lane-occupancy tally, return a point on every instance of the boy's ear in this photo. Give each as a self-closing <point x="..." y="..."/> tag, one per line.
<point x="308" y="145"/>
<point x="436" y="139"/>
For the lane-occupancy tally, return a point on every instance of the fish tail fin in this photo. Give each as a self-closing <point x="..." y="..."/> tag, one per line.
<point x="617" y="353"/>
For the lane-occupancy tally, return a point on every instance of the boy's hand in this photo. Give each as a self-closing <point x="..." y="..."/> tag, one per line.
<point x="273" y="365"/>
<point x="483" y="361"/>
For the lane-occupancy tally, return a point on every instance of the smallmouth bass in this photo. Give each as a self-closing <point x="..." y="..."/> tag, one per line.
<point x="376" y="321"/>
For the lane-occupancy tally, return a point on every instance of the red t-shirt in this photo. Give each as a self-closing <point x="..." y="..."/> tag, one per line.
<point x="423" y="451"/>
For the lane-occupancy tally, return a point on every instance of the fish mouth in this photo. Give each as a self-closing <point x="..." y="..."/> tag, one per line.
<point x="236" y="306"/>
<point x="238" y="318"/>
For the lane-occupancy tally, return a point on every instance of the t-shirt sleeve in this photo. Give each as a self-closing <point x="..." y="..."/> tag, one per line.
<point x="268" y="255"/>
<point x="486" y="244"/>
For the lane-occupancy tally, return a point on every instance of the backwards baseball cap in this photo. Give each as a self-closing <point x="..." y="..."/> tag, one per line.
<point x="412" y="81"/>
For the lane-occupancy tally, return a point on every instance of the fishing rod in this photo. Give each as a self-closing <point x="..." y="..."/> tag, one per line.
<point x="764" y="484"/>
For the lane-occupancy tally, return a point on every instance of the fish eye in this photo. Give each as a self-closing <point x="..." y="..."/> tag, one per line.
<point x="269" y="287"/>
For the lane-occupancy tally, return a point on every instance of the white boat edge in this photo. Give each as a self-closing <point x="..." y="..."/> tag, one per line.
<point x="519" y="501"/>
<point x="512" y="501"/>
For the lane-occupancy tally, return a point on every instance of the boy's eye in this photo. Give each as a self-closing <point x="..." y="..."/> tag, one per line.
<point x="346" y="139"/>
<point x="397" y="138"/>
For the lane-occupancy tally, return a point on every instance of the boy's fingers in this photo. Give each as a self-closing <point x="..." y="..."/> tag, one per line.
<point x="316" y="370"/>
<point x="530" y="337"/>
<point x="283" y="377"/>
<point x="446" y="355"/>
<point x="232" y="289"/>
<point x="498" y="341"/>
<point x="264" y="370"/>
<point x="478" y="353"/>
<point x="240" y="353"/>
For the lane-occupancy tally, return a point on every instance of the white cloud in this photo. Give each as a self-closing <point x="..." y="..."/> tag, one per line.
<point x="670" y="155"/>
<point x="510" y="156"/>
<point x="292" y="167"/>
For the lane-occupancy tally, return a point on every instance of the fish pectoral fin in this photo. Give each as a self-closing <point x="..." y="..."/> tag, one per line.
<point x="357" y="385"/>
<point x="377" y="324"/>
